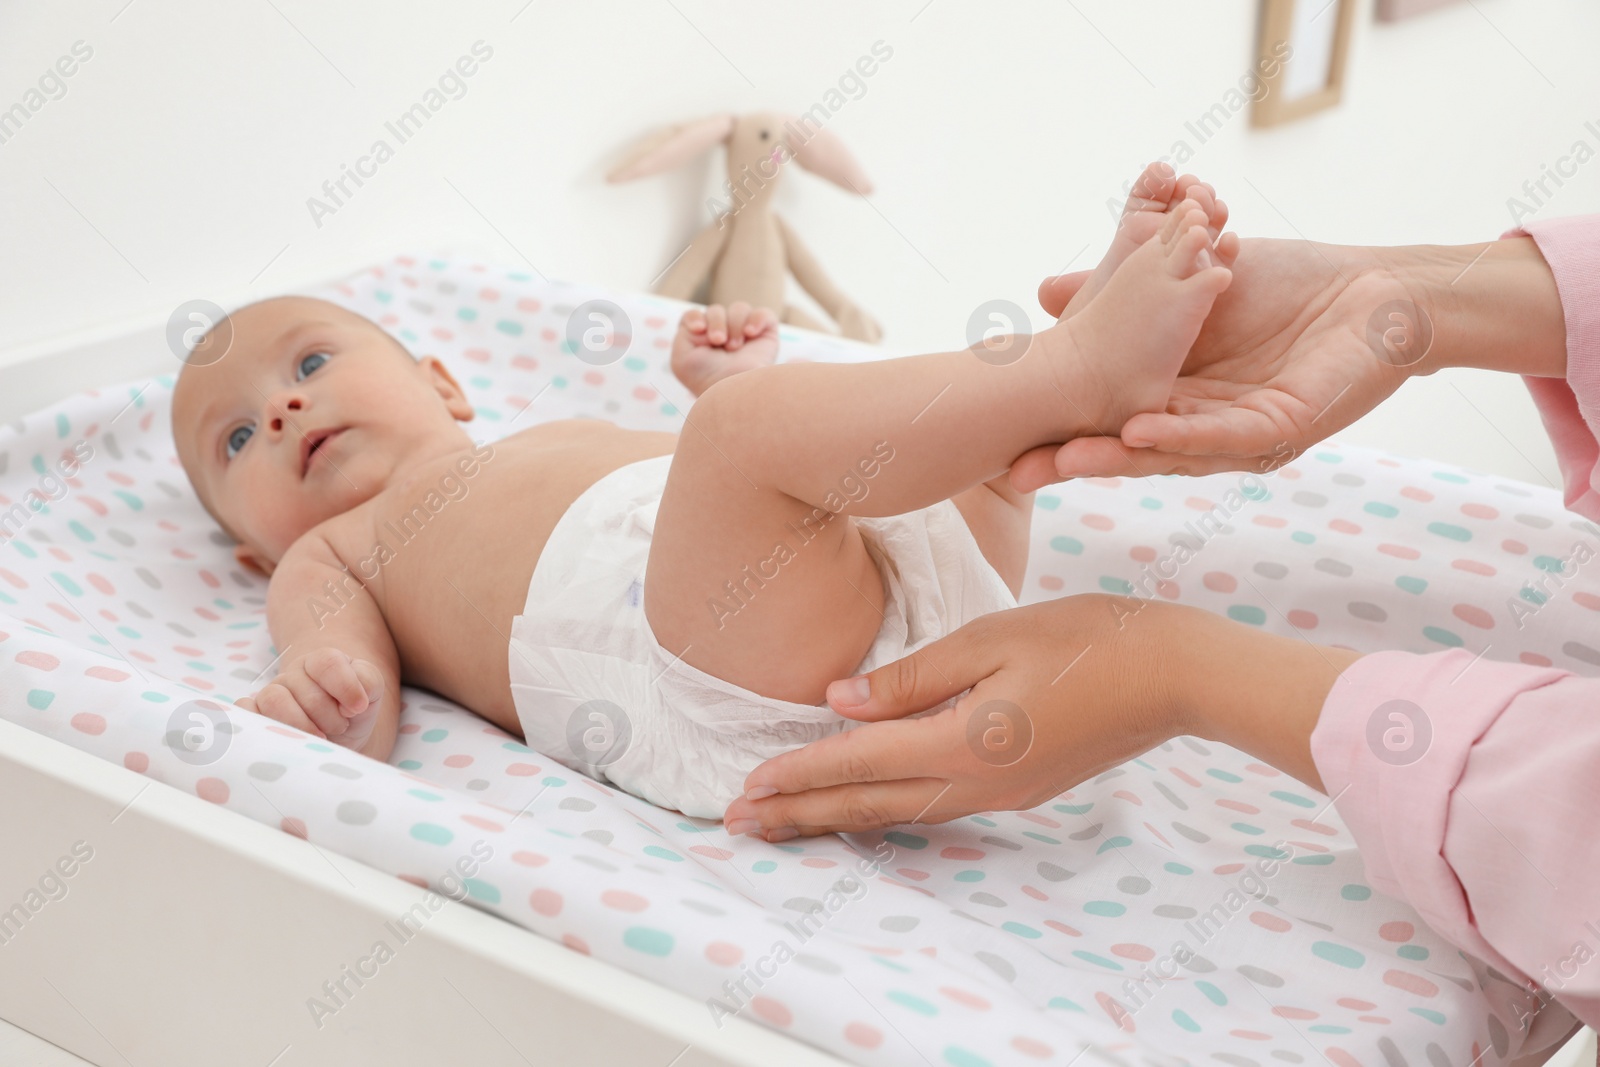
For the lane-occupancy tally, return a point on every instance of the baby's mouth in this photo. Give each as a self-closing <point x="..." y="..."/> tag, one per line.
<point x="312" y="445"/>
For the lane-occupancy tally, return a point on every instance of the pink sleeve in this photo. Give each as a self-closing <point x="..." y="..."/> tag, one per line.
<point x="1571" y="408"/>
<point x="1473" y="790"/>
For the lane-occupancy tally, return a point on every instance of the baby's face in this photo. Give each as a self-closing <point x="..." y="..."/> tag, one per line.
<point x="309" y="413"/>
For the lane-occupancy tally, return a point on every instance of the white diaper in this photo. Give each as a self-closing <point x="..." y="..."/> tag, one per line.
<point x="595" y="690"/>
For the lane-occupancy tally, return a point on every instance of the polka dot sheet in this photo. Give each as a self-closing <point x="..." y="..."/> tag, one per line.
<point x="1190" y="906"/>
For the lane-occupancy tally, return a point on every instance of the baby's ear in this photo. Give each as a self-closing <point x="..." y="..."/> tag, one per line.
<point x="455" y="401"/>
<point x="251" y="560"/>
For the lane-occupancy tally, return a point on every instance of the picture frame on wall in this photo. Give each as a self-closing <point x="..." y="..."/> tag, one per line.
<point x="1304" y="45"/>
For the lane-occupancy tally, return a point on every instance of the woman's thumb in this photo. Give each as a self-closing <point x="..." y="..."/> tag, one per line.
<point x="921" y="680"/>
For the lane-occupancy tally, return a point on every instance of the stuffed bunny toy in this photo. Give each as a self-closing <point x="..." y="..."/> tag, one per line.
<point x="748" y="252"/>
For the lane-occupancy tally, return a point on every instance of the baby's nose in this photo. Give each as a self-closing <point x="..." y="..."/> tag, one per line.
<point x="292" y="403"/>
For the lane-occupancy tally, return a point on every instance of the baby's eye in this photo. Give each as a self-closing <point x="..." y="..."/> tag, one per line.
<point x="309" y="364"/>
<point x="238" y="437"/>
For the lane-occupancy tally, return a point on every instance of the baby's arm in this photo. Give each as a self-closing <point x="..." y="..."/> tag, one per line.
<point x="339" y="672"/>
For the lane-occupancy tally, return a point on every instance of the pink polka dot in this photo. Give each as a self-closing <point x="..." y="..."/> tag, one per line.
<point x="545" y="901"/>
<point x="1479" y="511"/>
<point x="524" y="362"/>
<point x="1411" y="492"/>
<point x="460" y="759"/>
<point x="1133" y="952"/>
<point x="1399" y="551"/>
<point x="817" y="861"/>
<point x="522" y="770"/>
<point x="1036" y="894"/>
<point x="711" y="852"/>
<point x="489" y="294"/>
<point x="594" y="377"/>
<point x="1289" y="474"/>
<point x="1344" y="526"/>
<point x="575" y="943"/>
<point x="483" y="824"/>
<point x="623" y="900"/>
<point x="1397" y="931"/>
<point x="1029" y="1047"/>
<point x="1117" y="1013"/>
<point x="1380" y="1020"/>
<point x="1516" y="548"/>
<point x="528" y="303"/>
<point x="529" y="859"/>
<point x="1472" y="566"/>
<point x="1050" y="582"/>
<point x="1033" y="817"/>
<point x="1314" y="827"/>
<point x="212" y="789"/>
<point x="1340" y="1058"/>
<point x="1099" y="522"/>
<point x="293" y="827"/>
<point x="1474" y="616"/>
<point x="1271" y="522"/>
<point x="1356" y="1005"/>
<point x="414" y="879"/>
<point x="1142" y="554"/>
<point x="1168" y="590"/>
<point x="1198" y="503"/>
<point x="643" y="392"/>
<point x="772" y="1011"/>
<point x="912" y="873"/>
<point x="967" y="854"/>
<point x="89" y="723"/>
<point x="1220" y="582"/>
<point x="1250" y="1035"/>
<point x="1268" y="921"/>
<point x="1411" y="983"/>
<point x="1302" y="620"/>
<point x="1294" y="1013"/>
<point x="1586" y="600"/>
<point x="1535" y="660"/>
<point x="1238" y="805"/>
<point x="961" y="996"/>
<point x="723" y="954"/>
<point x="42" y="661"/>
<point x="863" y="1036"/>
<point x="1063" y="928"/>
<point x="137" y="762"/>
<point x="102" y="585"/>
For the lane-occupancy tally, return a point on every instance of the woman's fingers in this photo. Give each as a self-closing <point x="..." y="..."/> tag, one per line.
<point x="879" y="752"/>
<point x="946" y="668"/>
<point x="850" y="808"/>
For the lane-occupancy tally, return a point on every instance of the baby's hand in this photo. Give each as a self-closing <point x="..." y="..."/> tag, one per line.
<point x="326" y="693"/>
<point x="712" y="344"/>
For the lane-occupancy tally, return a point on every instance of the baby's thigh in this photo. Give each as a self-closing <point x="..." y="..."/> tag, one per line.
<point x="755" y="587"/>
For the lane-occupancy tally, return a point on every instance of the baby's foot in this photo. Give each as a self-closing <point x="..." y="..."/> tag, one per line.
<point x="712" y="344"/>
<point x="1129" y="341"/>
<point x="1155" y="194"/>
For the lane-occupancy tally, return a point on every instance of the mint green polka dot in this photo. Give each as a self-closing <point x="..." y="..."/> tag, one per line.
<point x="1344" y="957"/>
<point x="80" y="530"/>
<point x="1246" y="828"/>
<point x="969" y="876"/>
<point x="981" y="821"/>
<point x="155" y="698"/>
<point x="1302" y="537"/>
<point x="129" y="632"/>
<point x="1070" y="545"/>
<point x="661" y="853"/>
<point x="763" y="866"/>
<point x="1120" y="586"/>
<point x="1425" y="1013"/>
<point x="39" y="699"/>
<point x="1293" y="798"/>
<point x="648" y="940"/>
<point x="891" y="964"/>
<point x="1258" y="493"/>
<point x="1064" y="1004"/>
<point x="506" y="326"/>
<point x="1020" y="930"/>
<point x="481" y="890"/>
<point x="552" y="780"/>
<point x="634" y="363"/>
<point x="1177" y="868"/>
<point x="1412" y="952"/>
<point x="409" y="765"/>
<point x="1150" y="503"/>
<point x="1213" y="994"/>
<point x="1329" y="457"/>
<point x="1548" y="563"/>
<point x="1074" y="809"/>
<point x="960" y="1057"/>
<point x="1533" y="595"/>
<point x="129" y="499"/>
<point x="22" y="548"/>
<point x="1266" y="852"/>
<point x="423" y="794"/>
<point x="1098" y="961"/>
<point x="1046" y="838"/>
<point x="432" y="833"/>
<point x="916" y="1004"/>
<point x="1382" y="510"/>
<point x="1047" y="501"/>
<point x="436" y="734"/>
<point x="1225" y="776"/>
<point x="1446" y="476"/>
<point x="1109" y="908"/>
<point x="515" y="746"/>
<point x="483" y="381"/>
<point x="1411" y="585"/>
<point x="1356" y="892"/>
<point x="1248" y="613"/>
<point x="1328" y="1028"/>
<point x="559" y="381"/>
<point x="905" y="840"/>
<point x="1453" y="532"/>
<point x="1442" y="636"/>
<point x="1114" y="842"/>
<point x="1321" y="860"/>
<point x="466" y="314"/>
<point x="1183" y="1020"/>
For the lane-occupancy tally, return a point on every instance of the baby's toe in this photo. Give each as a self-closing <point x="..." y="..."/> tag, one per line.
<point x="1152" y="190"/>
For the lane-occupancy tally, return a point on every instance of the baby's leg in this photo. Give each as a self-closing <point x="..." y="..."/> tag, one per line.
<point x="756" y="573"/>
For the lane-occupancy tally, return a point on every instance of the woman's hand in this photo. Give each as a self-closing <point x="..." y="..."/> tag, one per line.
<point x="1309" y="338"/>
<point x="1060" y="692"/>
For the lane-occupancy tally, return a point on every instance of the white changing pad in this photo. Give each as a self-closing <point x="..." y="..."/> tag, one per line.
<point x="1001" y="939"/>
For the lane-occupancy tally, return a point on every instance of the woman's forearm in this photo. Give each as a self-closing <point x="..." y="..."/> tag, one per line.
<point x="1257" y="692"/>
<point x="1493" y="306"/>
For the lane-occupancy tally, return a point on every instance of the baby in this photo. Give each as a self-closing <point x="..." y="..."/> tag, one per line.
<point x="663" y="612"/>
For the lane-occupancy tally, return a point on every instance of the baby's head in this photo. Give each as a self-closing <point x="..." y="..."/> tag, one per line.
<point x="295" y="410"/>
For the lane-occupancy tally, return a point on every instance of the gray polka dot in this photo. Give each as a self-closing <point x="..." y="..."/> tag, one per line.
<point x="1334" y="567"/>
<point x="147" y="577"/>
<point x="1583" y="652"/>
<point x="702" y="907"/>
<point x="267" y="772"/>
<point x="356" y="812"/>
<point x="987" y="899"/>
<point x="112" y="445"/>
<point x="217" y="537"/>
<point x="998" y="965"/>
<point x="181" y="631"/>
<point x="1310" y="499"/>
<point x="603" y="837"/>
<point x="1538" y="522"/>
<point x="437" y="709"/>
<point x="1053" y="873"/>
<point x="425" y="308"/>
<point x="171" y="490"/>
<point x="1234" y="1059"/>
<point x="599" y="864"/>
<point x="447" y="287"/>
<point x="804" y="905"/>
<point x="1001" y="842"/>
<point x="339" y="770"/>
<point x="1437" y="1056"/>
<point x="1199" y="965"/>
<point x="576" y="804"/>
<point x="1286" y="1056"/>
<point x="122" y="537"/>
<point x="1274" y="571"/>
<point x="1498" y="1037"/>
<point x="1177" y="801"/>
<point x="1087" y="834"/>
<point x="1346" y="478"/>
<point x="898" y="924"/>
<point x="1133" y="884"/>
<point x="478" y="784"/>
<point x="1175" y="911"/>
<point x="1260" y="976"/>
<point x="1191" y="833"/>
<point x="1391" y="1052"/>
<point x="1194" y="745"/>
<point x="1514" y="490"/>
<point x="1362" y="609"/>
<point x="818" y="964"/>
<point x="144" y="612"/>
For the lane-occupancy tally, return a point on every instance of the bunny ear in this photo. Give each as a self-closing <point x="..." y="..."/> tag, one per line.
<point x="825" y="155"/>
<point x="672" y="146"/>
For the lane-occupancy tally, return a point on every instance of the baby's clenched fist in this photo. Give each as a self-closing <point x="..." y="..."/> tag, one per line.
<point x="326" y="693"/>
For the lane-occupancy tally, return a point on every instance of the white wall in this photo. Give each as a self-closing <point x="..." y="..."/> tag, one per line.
<point x="179" y="162"/>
